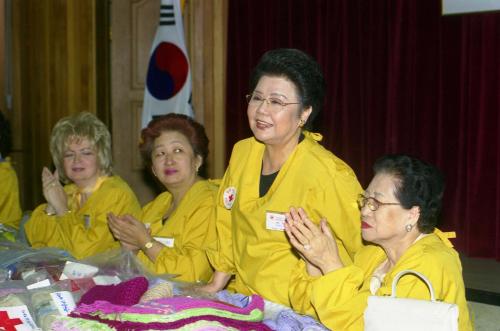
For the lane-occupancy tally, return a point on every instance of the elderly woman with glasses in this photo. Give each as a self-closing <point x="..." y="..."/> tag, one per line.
<point x="399" y="213"/>
<point x="74" y="218"/>
<point x="280" y="166"/>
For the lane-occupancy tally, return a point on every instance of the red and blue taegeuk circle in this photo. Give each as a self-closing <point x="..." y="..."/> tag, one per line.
<point x="167" y="72"/>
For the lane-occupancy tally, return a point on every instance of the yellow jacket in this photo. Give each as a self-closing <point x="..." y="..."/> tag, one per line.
<point x="339" y="298"/>
<point x="84" y="232"/>
<point x="262" y="259"/>
<point x="185" y="233"/>
<point x="10" y="208"/>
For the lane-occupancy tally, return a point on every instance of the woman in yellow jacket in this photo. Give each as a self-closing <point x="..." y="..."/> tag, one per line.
<point x="179" y="223"/>
<point x="75" y="216"/>
<point x="399" y="212"/>
<point x="280" y="166"/>
<point x="10" y="208"/>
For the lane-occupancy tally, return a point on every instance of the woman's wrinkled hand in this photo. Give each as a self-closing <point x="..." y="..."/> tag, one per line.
<point x="131" y="232"/>
<point x="53" y="191"/>
<point x="316" y="244"/>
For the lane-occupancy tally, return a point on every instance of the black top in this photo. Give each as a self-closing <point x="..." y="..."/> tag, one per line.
<point x="265" y="183"/>
<point x="267" y="180"/>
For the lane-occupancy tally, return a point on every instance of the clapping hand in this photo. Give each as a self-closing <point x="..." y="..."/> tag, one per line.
<point x="53" y="191"/>
<point x="316" y="244"/>
<point x="131" y="233"/>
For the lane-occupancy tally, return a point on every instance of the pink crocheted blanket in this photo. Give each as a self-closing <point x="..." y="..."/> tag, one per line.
<point x="173" y="313"/>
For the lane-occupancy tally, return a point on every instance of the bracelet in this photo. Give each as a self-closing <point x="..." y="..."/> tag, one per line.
<point x="50" y="213"/>
<point x="53" y="213"/>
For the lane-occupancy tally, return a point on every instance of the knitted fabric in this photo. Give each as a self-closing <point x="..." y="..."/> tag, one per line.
<point x="175" y="308"/>
<point x="64" y="323"/>
<point x="175" y="313"/>
<point x="126" y="293"/>
<point x="162" y="290"/>
<point x="79" y="324"/>
<point x="235" y="312"/>
<point x="276" y="316"/>
<point x="227" y="323"/>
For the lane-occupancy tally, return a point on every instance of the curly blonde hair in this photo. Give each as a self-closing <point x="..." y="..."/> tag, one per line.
<point x="82" y="125"/>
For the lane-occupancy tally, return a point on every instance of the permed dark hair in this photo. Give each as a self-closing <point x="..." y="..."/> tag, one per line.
<point x="192" y="130"/>
<point x="301" y="69"/>
<point x="420" y="184"/>
<point x="5" y="136"/>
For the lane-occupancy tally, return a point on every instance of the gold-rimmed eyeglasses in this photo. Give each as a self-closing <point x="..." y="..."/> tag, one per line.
<point x="372" y="203"/>
<point x="274" y="104"/>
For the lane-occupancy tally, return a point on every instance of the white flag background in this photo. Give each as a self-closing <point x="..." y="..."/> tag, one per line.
<point x="168" y="80"/>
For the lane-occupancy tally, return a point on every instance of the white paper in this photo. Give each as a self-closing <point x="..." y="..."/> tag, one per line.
<point x="106" y="280"/>
<point x="169" y="242"/>
<point x="24" y="315"/>
<point x="43" y="283"/>
<point x="74" y="270"/>
<point x="64" y="302"/>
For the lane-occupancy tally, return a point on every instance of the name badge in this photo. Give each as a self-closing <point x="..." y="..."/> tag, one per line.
<point x="275" y="221"/>
<point x="169" y="242"/>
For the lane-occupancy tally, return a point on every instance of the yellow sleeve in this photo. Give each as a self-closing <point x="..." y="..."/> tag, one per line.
<point x="84" y="232"/>
<point x="335" y="298"/>
<point x="221" y="253"/>
<point x="341" y="308"/>
<point x="300" y="288"/>
<point x="189" y="261"/>
<point x="336" y="201"/>
<point x="10" y="208"/>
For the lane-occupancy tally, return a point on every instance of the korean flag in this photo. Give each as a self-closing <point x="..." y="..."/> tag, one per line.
<point x="168" y="80"/>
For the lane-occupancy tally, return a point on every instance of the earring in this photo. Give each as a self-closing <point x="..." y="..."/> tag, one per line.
<point x="408" y="227"/>
<point x="301" y="123"/>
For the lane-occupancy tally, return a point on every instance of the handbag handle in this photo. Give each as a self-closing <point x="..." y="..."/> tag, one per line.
<point x="419" y="275"/>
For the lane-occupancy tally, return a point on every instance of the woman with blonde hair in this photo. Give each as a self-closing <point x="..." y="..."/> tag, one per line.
<point x="74" y="218"/>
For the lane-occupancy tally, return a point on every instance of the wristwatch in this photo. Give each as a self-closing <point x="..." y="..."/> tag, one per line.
<point x="148" y="245"/>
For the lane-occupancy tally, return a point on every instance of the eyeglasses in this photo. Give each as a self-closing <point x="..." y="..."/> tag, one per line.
<point x="274" y="104"/>
<point x="372" y="203"/>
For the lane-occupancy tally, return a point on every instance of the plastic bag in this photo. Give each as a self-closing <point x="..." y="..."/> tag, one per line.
<point x="117" y="262"/>
<point x="19" y="261"/>
<point x="17" y="310"/>
<point x="7" y="233"/>
<point x="49" y="302"/>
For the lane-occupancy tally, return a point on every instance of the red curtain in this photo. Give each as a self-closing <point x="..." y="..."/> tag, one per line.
<point x="401" y="79"/>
